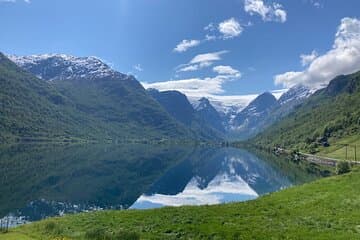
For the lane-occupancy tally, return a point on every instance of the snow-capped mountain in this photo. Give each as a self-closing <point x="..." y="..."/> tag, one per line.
<point x="209" y="114"/>
<point x="295" y="93"/>
<point x="247" y="121"/>
<point x="63" y="67"/>
<point x="226" y="105"/>
<point x="265" y="110"/>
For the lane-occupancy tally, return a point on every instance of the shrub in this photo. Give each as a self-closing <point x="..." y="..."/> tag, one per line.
<point x="343" y="167"/>
<point x="97" y="234"/>
<point x="125" y="235"/>
<point x="53" y="228"/>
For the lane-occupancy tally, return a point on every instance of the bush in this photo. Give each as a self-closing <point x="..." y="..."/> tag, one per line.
<point x="343" y="167"/>
<point x="125" y="235"/>
<point x="51" y="227"/>
<point x="97" y="234"/>
<point x="103" y="234"/>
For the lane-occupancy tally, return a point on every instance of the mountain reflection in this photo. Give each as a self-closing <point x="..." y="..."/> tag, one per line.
<point x="39" y="181"/>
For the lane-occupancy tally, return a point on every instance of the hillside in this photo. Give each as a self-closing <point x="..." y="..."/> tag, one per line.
<point x="199" y="121"/>
<point x="100" y="105"/>
<point x="325" y="120"/>
<point x="310" y="211"/>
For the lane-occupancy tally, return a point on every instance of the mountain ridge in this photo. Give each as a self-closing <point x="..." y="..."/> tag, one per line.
<point x="103" y="108"/>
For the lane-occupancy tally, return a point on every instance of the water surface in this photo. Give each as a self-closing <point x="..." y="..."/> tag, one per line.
<point x="38" y="181"/>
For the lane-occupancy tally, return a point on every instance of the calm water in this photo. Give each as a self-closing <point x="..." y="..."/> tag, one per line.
<point x="41" y="181"/>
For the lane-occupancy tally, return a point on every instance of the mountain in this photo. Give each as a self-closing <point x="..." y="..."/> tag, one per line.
<point x="295" y="94"/>
<point x="176" y="104"/>
<point x="247" y="122"/>
<point x="65" y="67"/>
<point x="327" y="117"/>
<point x="179" y="107"/>
<point x="78" y="98"/>
<point x="264" y="111"/>
<point x="208" y="114"/>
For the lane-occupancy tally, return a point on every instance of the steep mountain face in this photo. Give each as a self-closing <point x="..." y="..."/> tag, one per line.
<point x="176" y="104"/>
<point x="226" y="106"/>
<point x="247" y="122"/>
<point x="331" y="113"/>
<point x="92" y="100"/>
<point x="266" y="110"/>
<point x="291" y="99"/>
<point x="179" y="107"/>
<point x="295" y="94"/>
<point x="208" y="114"/>
<point x="32" y="108"/>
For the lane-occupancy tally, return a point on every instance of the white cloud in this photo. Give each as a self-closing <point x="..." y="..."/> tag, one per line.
<point x="342" y="58"/>
<point x="210" y="27"/>
<point x="138" y="68"/>
<point x="230" y="28"/>
<point x="306" y="59"/>
<point x="192" y="87"/>
<point x="184" y="45"/>
<point x="227" y="70"/>
<point x="316" y="3"/>
<point x="210" y="37"/>
<point x="199" y="87"/>
<point x="208" y="57"/>
<point x="201" y="61"/>
<point x="279" y="92"/>
<point x="270" y="12"/>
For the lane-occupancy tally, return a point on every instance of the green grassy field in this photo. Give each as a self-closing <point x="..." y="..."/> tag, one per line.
<point x="325" y="209"/>
<point x="337" y="149"/>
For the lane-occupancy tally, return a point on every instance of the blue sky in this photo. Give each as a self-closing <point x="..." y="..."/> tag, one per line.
<point x="238" y="46"/>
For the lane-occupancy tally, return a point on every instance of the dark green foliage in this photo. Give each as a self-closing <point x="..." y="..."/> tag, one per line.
<point x="97" y="234"/>
<point x="64" y="110"/>
<point x="330" y="114"/>
<point x="343" y="167"/>
<point x="126" y="235"/>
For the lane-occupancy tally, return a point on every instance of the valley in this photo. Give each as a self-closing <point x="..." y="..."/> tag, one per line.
<point x="203" y="120"/>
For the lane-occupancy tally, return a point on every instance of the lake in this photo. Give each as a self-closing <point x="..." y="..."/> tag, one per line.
<point x="38" y="181"/>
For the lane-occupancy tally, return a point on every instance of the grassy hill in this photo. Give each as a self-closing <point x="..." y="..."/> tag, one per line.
<point x="34" y="109"/>
<point x="325" y="122"/>
<point x="319" y="210"/>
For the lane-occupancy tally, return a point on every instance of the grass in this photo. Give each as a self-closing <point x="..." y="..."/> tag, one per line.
<point x="325" y="209"/>
<point x="337" y="148"/>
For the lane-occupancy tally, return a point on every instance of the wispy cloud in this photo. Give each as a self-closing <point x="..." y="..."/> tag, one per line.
<point x="138" y="68"/>
<point x="192" y="87"/>
<point x="268" y="12"/>
<point x="227" y="71"/>
<point x="200" y="87"/>
<point x="316" y="3"/>
<point x="201" y="61"/>
<point x="342" y="58"/>
<point x="184" y="45"/>
<point x="306" y="59"/>
<point x="227" y="29"/>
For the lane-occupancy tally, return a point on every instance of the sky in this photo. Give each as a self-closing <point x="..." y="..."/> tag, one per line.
<point x="200" y="47"/>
